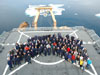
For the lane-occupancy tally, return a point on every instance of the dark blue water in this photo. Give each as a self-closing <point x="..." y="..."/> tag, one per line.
<point x="12" y="13"/>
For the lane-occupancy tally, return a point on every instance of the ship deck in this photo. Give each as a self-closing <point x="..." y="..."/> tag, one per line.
<point x="49" y="65"/>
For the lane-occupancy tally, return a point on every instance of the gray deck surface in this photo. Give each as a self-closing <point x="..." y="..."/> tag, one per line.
<point x="63" y="68"/>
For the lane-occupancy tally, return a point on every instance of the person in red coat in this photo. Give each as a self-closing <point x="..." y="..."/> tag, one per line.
<point x="73" y="58"/>
<point x="54" y="43"/>
<point x="68" y="49"/>
<point x="26" y="48"/>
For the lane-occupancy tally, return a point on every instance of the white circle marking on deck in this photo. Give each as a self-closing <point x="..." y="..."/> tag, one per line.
<point x="44" y="63"/>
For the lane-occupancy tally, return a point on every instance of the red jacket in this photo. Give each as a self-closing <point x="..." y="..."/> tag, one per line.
<point x="73" y="57"/>
<point x="54" y="43"/>
<point x="68" y="49"/>
<point x="26" y="48"/>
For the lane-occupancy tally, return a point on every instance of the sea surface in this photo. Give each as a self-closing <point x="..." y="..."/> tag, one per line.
<point x="77" y="13"/>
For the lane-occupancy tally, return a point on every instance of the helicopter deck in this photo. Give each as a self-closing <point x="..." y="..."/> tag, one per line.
<point x="49" y="65"/>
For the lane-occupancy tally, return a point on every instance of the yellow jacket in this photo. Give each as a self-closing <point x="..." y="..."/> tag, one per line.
<point x="81" y="62"/>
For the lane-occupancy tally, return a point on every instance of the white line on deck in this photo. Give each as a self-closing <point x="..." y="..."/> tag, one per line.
<point x="19" y="37"/>
<point x="93" y="69"/>
<point x="54" y="63"/>
<point x="89" y="72"/>
<point x="85" y="70"/>
<point x="8" y="44"/>
<point x="20" y="67"/>
<point x="6" y="68"/>
<point x="88" y="42"/>
<point x="76" y="35"/>
<point x="26" y="35"/>
<point x="47" y="31"/>
<point x="74" y="32"/>
<point x="44" y="63"/>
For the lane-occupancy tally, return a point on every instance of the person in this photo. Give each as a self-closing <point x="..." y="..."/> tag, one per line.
<point x="15" y="60"/>
<point x="18" y="60"/>
<point x="62" y="52"/>
<point x="75" y="53"/>
<point x="66" y="56"/>
<point x="8" y="54"/>
<point x="26" y="48"/>
<point x="34" y="51"/>
<point x="17" y="46"/>
<point x="73" y="58"/>
<point x="54" y="44"/>
<point x="70" y="48"/>
<point x="81" y="42"/>
<point x="72" y="38"/>
<point x="41" y="49"/>
<point x="29" y="58"/>
<point x="69" y="57"/>
<point x="58" y="51"/>
<point x="31" y="53"/>
<point x="88" y="63"/>
<point x="81" y="64"/>
<point x="25" y="57"/>
<point x="48" y="49"/>
<point x="84" y="64"/>
<point x="77" y="59"/>
<point x="10" y="63"/>
<point x="81" y="57"/>
<point x="53" y="50"/>
<point x="67" y="36"/>
<point x="45" y="51"/>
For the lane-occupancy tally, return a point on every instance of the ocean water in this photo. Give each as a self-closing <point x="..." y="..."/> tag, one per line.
<point x="77" y="13"/>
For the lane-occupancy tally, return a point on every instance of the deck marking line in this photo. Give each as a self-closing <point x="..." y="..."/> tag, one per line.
<point x="76" y="35"/>
<point x="24" y="34"/>
<point x="73" y="32"/>
<point x="46" y="31"/>
<point x="85" y="70"/>
<point x="54" y="63"/>
<point x="19" y="38"/>
<point x="6" y="68"/>
<point x="88" y="42"/>
<point x="20" y="67"/>
<point x="36" y="60"/>
<point x="7" y="44"/>
<point x="93" y="69"/>
<point x="44" y="63"/>
<point x="89" y="72"/>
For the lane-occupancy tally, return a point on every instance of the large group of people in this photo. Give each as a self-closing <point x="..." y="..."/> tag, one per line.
<point x="68" y="47"/>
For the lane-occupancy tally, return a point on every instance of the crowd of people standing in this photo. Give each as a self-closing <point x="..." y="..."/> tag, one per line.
<point x="68" y="47"/>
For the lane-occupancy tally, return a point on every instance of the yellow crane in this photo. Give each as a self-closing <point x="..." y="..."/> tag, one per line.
<point x="38" y="14"/>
